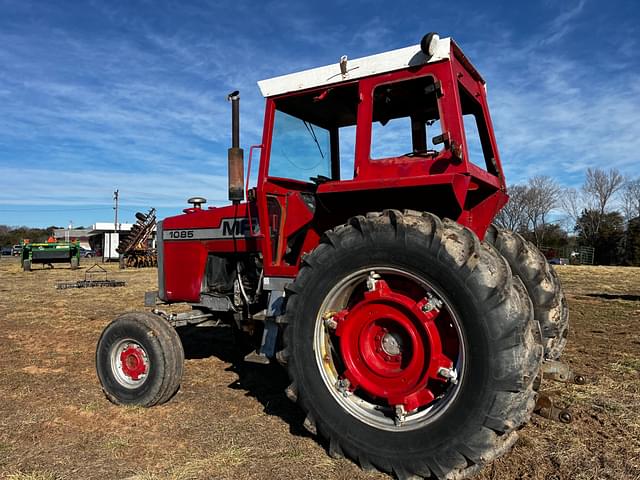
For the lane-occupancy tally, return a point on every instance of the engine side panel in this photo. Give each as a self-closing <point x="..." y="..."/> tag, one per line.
<point x="188" y="239"/>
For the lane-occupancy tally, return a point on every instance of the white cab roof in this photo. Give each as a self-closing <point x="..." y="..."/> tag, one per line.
<point x="357" y="68"/>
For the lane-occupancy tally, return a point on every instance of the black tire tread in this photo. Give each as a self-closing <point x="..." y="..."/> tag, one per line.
<point x="509" y="315"/>
<point x="170" y="347"/>
<point x="542" y="284"/>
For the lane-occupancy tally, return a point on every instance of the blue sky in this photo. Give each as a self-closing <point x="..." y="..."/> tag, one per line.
<point x="96" y="96"/>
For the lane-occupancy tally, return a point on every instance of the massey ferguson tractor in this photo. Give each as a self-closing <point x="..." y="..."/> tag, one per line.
<point x="364" y="260"/>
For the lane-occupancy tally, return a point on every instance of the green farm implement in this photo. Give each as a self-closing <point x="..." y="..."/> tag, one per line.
<point x="50" y="253"/>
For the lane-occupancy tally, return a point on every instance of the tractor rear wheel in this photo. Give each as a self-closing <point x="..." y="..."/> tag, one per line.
<point x="542" y="283"/>
<point x="411" y="346"/>
<point x="139" y="360"/>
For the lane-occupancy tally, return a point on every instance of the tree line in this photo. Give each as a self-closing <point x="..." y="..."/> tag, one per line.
<point x="604" y="213"/>
<point x="10" y="236"/>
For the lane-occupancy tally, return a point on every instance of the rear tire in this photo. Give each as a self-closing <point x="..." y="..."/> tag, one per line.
<point x="139" y="360"/>
<point x="472" y="421"/>
<point x="542" y="283"/>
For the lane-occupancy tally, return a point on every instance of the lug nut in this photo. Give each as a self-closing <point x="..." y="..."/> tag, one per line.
<point x="342" y="385"/>
<point x="401" y="414"/>
<point x="448" y="373"/>
<point x="330" y="323"/>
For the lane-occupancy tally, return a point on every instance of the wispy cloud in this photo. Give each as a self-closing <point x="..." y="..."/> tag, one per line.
<point x="558" y="113"/>
<point x="133" y="95"/>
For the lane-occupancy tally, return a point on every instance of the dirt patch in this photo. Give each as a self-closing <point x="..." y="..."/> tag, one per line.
<point x="232" y="421"/>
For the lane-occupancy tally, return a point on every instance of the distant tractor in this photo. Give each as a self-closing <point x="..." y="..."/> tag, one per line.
<point x="364" y="260"/>
<point x="50" y="253"/>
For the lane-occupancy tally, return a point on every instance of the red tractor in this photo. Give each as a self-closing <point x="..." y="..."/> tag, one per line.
<point x="364" y="260"/>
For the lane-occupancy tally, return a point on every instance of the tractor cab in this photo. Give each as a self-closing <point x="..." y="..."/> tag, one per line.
<point x="405" y="129"/>
<point x="409" y="128"/>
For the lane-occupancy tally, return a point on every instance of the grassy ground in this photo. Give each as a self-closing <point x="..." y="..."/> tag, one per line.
<point x="233" y="422"/>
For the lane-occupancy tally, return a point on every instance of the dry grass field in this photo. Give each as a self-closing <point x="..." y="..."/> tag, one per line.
<point x="233" y="421"/>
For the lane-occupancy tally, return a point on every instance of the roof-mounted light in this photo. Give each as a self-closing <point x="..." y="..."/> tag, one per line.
<point x="429" y="43"/>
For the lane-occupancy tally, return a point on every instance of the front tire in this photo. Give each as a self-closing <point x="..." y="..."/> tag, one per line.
<point x="139" y="360"/>
<point x="384" y="290"/>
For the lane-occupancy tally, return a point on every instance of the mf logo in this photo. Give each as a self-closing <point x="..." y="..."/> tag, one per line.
<point x="229" y="228"/>
<point x="236" y="227"/>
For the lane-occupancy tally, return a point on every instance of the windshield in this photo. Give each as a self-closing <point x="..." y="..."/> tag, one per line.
<point x="299" y="149"/>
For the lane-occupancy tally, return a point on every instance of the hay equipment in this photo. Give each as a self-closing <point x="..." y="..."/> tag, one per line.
<point x="135" y="250"/>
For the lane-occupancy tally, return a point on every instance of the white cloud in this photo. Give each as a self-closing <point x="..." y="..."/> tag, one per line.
<point x="556" y="114"/>
<point x="141" y="105"/>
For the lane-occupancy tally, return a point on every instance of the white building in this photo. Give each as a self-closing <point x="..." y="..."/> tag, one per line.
<point x="104" y="238"/>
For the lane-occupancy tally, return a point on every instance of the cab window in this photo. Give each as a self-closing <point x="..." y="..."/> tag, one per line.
<point x="313" y="135"/>
<point x="299" y="149"/>
<point x="406" y="119"/>
<point x="479" y="149"/>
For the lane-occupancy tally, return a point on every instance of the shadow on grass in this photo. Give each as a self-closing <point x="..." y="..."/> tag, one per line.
<point x="265" y="383"/>
<point x="615" y="296"/>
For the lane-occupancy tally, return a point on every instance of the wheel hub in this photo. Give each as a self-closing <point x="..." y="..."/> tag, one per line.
<point x="134" y="361"/>
<point x="391" y="346"/>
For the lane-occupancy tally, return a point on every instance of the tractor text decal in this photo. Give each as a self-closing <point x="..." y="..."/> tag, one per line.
<point x="229" y="228"/>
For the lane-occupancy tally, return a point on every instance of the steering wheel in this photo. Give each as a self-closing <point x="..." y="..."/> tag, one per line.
<point x="320" y="179"/>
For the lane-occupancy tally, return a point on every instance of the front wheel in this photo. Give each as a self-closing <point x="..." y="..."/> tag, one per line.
<point x="412" y="348"/>
<point x="139" y="360"/>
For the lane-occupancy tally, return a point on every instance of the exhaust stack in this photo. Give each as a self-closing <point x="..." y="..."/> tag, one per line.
<point x="235" y="153"/>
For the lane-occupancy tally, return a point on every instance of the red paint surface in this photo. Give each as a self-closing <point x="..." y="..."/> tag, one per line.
<point x="400" y="379"/>
<point x="132" y="359"/>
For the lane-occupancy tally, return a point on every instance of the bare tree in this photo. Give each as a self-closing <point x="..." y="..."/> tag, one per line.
<point x="600" y="186"/>
<point x="512" y="216"/>
<point x="587" y="207"/>
<point x="572" y="204"/>
<point x="542" y="196"/>
<point x="631" y="199"/>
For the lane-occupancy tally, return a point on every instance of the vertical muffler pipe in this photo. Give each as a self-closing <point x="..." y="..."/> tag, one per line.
<point x="235" y="153"/>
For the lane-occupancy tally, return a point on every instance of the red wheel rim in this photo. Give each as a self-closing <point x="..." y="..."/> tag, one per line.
<point x="129" y="363"/>
<point x="391" y="347"/>
<point x="133" y="362"/>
